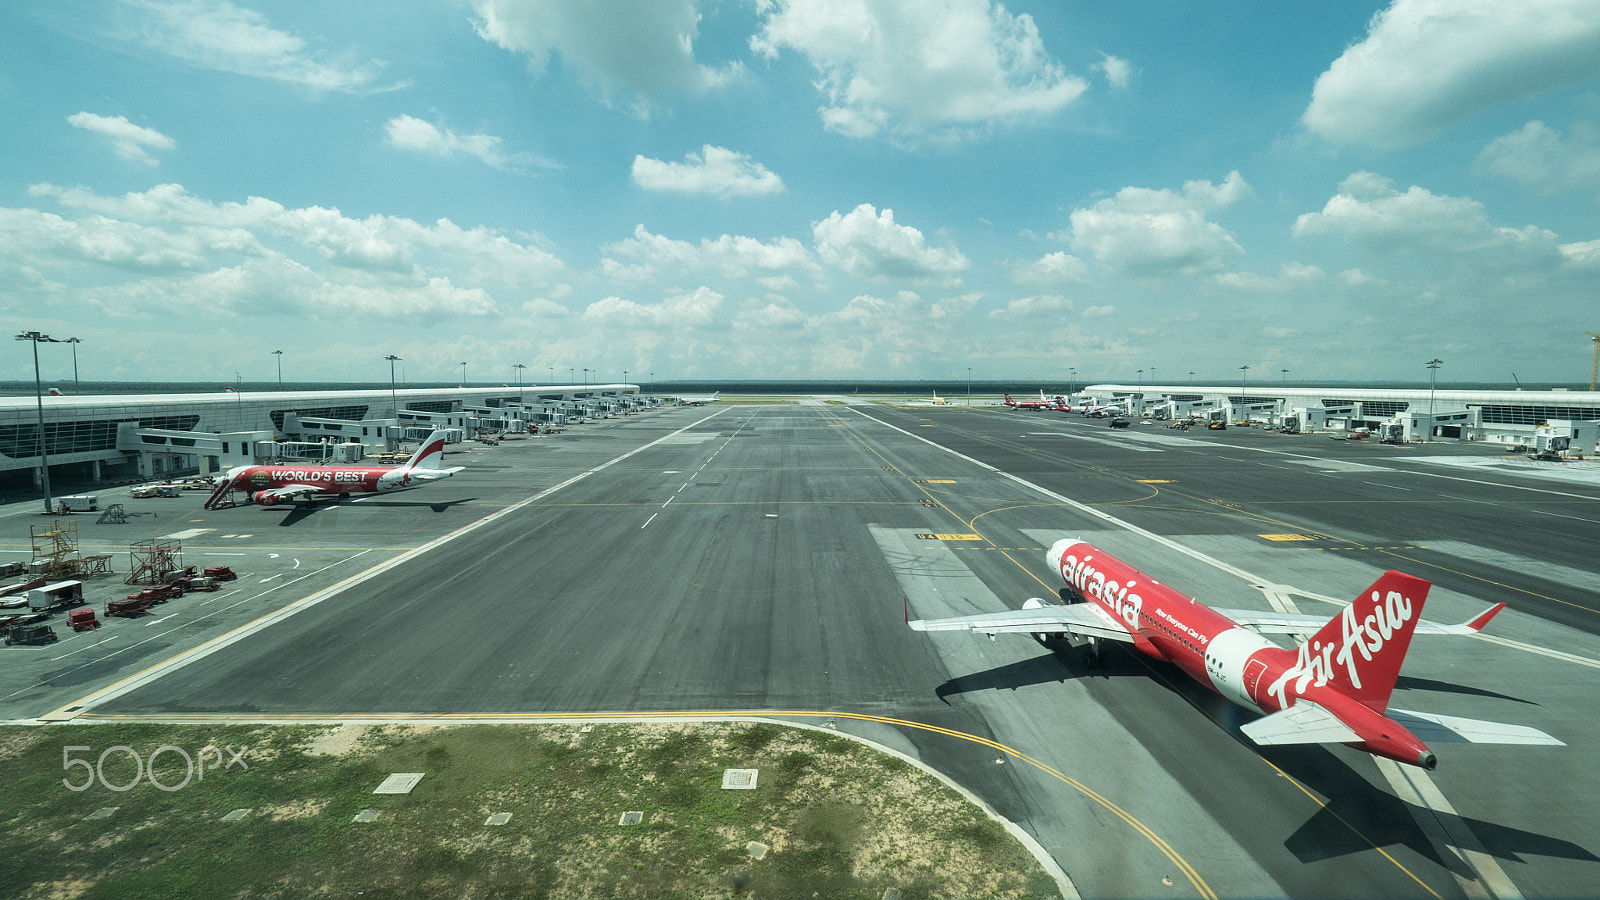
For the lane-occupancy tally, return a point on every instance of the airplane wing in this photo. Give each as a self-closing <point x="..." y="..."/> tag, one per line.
<point x="293" y="491"/>
<point x="1307" y="723"/>
<point x="1451" y="729"/>
<point x="1299" y="623"/>
<point x="1085" y="619"/>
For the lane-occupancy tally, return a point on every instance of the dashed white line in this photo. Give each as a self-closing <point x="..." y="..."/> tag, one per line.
<point x="649" y="520"/>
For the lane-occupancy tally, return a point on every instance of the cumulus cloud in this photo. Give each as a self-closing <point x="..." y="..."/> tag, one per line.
<point x="1370" y="213"/>
<point x="731" y="255"/>
<point x="868" y="243"/>
<point x="1040" y="307"/>
<point x="405" y="132"/>
<point x="165" y="250"/>
<point x="713" y="170"/>
<point x="632" y="52"/>
<point x="1098" y="312"/>
<point x="700" y="308"/>
<point x="377" y="243"/>
<point x="216" y="34"/>
<point x="130" y="141"/>
<point x="1118" y="71"/>
<point x="915" y="68"/>
<point x="1427" y="64"/>
<point x="1059" y="267"/>
<point x="1545" y="160"/>
<point x="1143" y="231"/>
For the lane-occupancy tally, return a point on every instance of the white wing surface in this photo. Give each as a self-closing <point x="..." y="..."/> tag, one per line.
<point x="1084" y="619"/>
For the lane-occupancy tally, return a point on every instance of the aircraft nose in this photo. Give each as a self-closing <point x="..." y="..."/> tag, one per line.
<point x="1058" y="550"/>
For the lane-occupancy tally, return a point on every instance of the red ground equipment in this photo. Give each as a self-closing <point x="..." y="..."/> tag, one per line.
<point x="83" y="619"/>
<point x="220" y="573"/>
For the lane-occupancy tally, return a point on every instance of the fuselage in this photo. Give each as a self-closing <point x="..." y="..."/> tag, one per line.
<point x="327" y="480"/>
<point x="1234" y="661"/>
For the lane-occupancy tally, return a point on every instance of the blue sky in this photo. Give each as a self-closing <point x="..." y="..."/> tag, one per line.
<point x="833" y="189"/>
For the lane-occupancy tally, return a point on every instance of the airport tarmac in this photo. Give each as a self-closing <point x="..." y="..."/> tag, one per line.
<point x="761" y="560"/>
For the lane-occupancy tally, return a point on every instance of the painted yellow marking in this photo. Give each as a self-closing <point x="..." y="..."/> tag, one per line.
<point x="933" y="481"/>
<point x="949" y="537"/>
<point x="1154" y="480"/>
<point x="1289" y="537"/>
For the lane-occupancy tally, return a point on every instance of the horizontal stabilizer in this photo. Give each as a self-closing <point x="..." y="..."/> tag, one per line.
<point x="1303" y="723"/>
<point x="1264" y="622"/>
<point x="1450" y="729"/>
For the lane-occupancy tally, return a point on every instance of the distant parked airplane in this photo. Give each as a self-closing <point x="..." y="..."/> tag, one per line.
<point x="1040" y="403"/>
<point x="698" y="401"/>
<point x="1332" y="689"/>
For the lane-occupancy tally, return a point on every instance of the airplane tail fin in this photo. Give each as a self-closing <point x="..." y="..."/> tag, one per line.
<point x="1363" y="647"/>
<point x="429" y="455"/>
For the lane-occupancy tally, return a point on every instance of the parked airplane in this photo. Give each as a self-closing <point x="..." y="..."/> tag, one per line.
<point x="698" y="401"/>
<point x="1040" y="403"/>
<point x="1332" y="689"/>
<point x="936" y="401"/>
<point x="272" y="485"/>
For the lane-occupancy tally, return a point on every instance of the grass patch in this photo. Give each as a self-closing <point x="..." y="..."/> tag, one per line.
<point x="841" y="820"/>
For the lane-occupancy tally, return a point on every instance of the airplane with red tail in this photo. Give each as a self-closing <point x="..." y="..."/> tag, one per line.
<point x="1040" y="403"/>
<point x="1333" y="688"/>
<point x="272" y="485"/>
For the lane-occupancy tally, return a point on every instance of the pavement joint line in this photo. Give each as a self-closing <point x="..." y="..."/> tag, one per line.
<point x="1253" y="580"/>
<point x="173" y="663"/>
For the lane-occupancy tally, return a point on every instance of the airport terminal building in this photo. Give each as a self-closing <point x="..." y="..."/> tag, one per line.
<point x="133" y="436"/>
<point x="1511" y="417"/>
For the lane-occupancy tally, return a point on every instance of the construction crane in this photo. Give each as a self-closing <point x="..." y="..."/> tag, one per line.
<point x="1594" y="367"/>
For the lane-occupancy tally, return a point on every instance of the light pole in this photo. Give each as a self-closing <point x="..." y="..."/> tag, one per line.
<point x="571" y="375"/>
<point x="74" y="342"/>
<point x="516" y="369"/>
<point x="463" y="373"/>
<point x="279" y="355"/>
<point x="38" y="399"/>
<point x="394" y="405"/>
<point x="1244" y="373"/>
<point x="969" y="385"/>
<point x="1433" y="373"/>
<point x="1285" y="378"/>
<point x="1072" y="384"/>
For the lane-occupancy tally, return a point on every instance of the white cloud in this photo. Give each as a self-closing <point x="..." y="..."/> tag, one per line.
<point x="713" y="170"/>
<point x="1039" y="307"/>
<point x="914" y="68"/>
<point x="1583" y="254"/>
<point x="130" y="141"/>
<point x="1426" y="64"/>
<point x="411" y="133"/>
<point x="1160" y="232"/>
<point x="215" y="34"/>
<point x="1118" y="71"/>
<point x="1098" y="312"/>
<point x="631" y="51"/>
<point x="700" y="308"/>
<point x="1543" y="159"/>
<point x="868" y="243"/>
<point x="1059" y="267"/>
<point x="376" y="243"/>
<point x="731" y="255"/>
<point x="1370" y="213"/>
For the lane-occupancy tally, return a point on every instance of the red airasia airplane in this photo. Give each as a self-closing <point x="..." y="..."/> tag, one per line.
<point x="1040" y="403"/>
<point x="1332" y="689"/>
<point x="272" y="485"/>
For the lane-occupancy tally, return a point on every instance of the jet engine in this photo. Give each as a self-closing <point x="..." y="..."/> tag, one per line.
<point x="265" y="498"/>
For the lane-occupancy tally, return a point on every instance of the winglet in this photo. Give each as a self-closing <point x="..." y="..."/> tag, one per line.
<point x="908" y="608"/>
<point x="1482" y="619"/>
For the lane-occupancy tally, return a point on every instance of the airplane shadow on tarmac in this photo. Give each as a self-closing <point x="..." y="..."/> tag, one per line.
<point x="1359" y="815"/>
<point x="301" y="511"/>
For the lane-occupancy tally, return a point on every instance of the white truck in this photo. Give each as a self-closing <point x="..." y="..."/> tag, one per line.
<point x="79" y="503"/>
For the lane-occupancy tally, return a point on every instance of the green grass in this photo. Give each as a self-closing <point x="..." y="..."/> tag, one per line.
<point x="841" y="819"/>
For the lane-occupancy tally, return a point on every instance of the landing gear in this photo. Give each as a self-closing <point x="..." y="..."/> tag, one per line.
<point x="1093" y="658"/>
